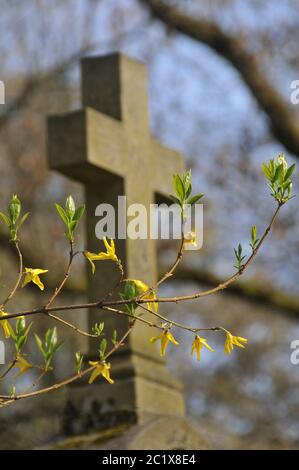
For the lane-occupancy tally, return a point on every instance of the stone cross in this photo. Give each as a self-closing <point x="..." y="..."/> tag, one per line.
<point x="107" y="146"/>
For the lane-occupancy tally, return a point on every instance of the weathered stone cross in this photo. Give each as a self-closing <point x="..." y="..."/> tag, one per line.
<point x="107" y="146"/>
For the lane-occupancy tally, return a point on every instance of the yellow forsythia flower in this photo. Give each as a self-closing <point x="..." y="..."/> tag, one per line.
<point x="23" y="365"/>
<point x="101" y="368"/>
<point x="32" y="275"/>
<point x="142" y="287"/>
<point x="110" y="254"/>
<point x="232" y="341"/>
<point x="165" y="337"/>
<point x="5" y="325"/>
<point x="198" y="344"/>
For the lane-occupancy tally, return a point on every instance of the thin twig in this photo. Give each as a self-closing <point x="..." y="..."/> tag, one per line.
<point x="72" y="326"/>
<point x="58" y="290"/>
<point x="65" y="382"/>
<point x="14" y="289"/>
<point x="12" y="364"/>
<point x="116" y="303"/>
<point x="65" y="278"/>
<point x="226" y="283"/>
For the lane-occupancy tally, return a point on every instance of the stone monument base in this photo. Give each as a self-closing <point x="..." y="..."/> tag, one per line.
<point x="163" y="433"/>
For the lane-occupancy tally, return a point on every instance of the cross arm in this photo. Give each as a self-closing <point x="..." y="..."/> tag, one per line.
<point x="85" y="145"/>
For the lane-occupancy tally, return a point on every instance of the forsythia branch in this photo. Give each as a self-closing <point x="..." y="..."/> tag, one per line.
<point x="135" y="298"/>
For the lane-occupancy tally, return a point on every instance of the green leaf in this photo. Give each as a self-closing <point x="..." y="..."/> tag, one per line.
<point x="50" y="338"/>
<point x="188" y="191"/>
<point x="278" y="173"/>
<point x="290" y="171"/>
<point x="23" y="219"/>
<point x="179" y="187"/>
<point x="79" y="213"/>
<point x="239" y="257"/>
<point x="186" y="179"/>
<point x="14" y="209"/>
<point x="78" y="361"/>
<point x="175" y="199"/>
<point x="28" y="329"/>
<point x="194" y="199"/>
<point x="53" y="338"/>
<point x="57" y="346"/>
<point x="114" y="337"/>
<point x="70" y="207"/>
<point x="103" y="347"/>
<point x="98" y="328"/>
<point x="62" y="214"/>
<point x="20" y="325"/>
<point x="40" y="344"/>
<point x="5" y="219"/>
<point x="267" y="171"/>
<point x="129" y="291"/>
<point x="73" y="225"/>
<point x="21" y="341"/>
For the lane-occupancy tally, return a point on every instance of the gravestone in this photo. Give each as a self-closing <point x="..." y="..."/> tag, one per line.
<point x="107" y="147"/>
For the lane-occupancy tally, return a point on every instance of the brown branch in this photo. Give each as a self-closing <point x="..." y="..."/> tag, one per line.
<point x="283" y="123"/>
<point x="72" y="326"/>
<point x="14" y="289"/>
<point x="100" y="304"/>
<point x="9" y="368"/>
<point x="58" y="289"/>
<point x="231" y="279"/>
<point x="249" y="290"/>
<point x="65" y="382"/>
<point x="33" y="83"/>
<point x="169" y="272"/>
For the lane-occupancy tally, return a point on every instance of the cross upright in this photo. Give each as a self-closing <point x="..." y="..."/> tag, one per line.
<point x="108" y="147"/>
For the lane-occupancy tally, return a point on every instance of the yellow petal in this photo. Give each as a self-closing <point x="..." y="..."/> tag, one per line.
<point x="164" y="343"/>
<point x="112" y="245"/>
<point x="97" y="371"/>
<point x="171" y="338"/>
<point x="93" y="363"/>
<point x="204" y="342"/>
<point x="106" y="373"/>
<point x="32" y="275"/>
<point x="36" y="280"/>
<point x="104" y="256"/>
<point x="90" y="258"/>
<point x="107" y="246"/>
<point x="26" y="280"/>
<point x="152" y="305"/>
<point x="141" y="286"/>
<point x="227" y="346"/>
<point x="155" y="338"/>
<point x="39" y="271"/>
<point x="23" y="365"/>
<point x="5" y="325"/>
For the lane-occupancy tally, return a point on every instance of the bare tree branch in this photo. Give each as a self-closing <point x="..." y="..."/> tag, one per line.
<point x="281" y="119"/>
<point x="33" y="83"/>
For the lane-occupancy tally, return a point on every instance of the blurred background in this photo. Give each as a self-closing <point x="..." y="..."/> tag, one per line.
<point x="220" y="75"/>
